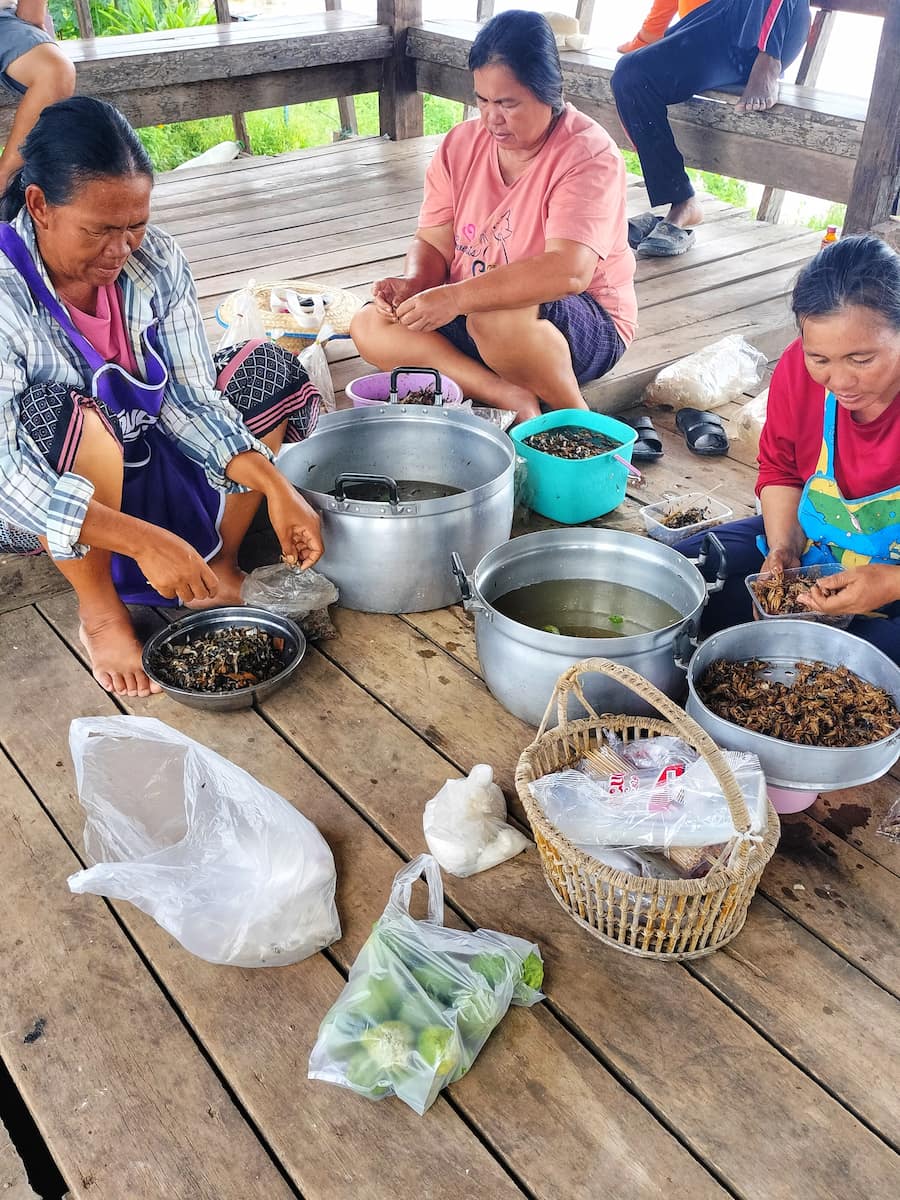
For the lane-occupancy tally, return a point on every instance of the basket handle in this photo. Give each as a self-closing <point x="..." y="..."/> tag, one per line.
<point x="569" y="684"/>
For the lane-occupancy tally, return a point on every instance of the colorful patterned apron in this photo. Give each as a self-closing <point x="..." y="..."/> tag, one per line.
<point x="851" y="532"/>
<point x="161" y="486"/>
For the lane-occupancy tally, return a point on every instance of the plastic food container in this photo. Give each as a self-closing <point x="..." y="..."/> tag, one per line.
<point x="575" y="490"/>
<point x="380" y="387"/>
<point x="811" y="573"/>
<point x="716" y="510"/>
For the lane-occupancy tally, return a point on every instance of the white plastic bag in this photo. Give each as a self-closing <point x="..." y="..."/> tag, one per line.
<point x="225" y="865"/>
<point x="421" y="1000"/>
<point x="246" y="323"/>
<point x="465" y="825"/>
<point x="653" y="808"/>
<point x="315" y="363"/>
<point x="747" y="426"/>
<point x="710" y="377"/>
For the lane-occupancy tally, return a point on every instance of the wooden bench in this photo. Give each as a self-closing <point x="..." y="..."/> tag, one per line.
<point x="212" y="70"/>
<point x="810" y="135"/>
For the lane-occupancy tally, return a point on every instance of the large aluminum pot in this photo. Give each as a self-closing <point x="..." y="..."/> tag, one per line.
<point x="392" y="557"/>
<point x="784" y="644"/>
<point x="521" y="664"/>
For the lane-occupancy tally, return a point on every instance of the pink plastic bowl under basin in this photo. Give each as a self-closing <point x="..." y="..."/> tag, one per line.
<point x="376" y="389"/>
<point x="791" y="800"/>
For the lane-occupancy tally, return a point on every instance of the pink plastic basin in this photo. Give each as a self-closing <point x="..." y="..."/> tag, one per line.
<point x="376" y="389"/>
<point x="791" y="800"/>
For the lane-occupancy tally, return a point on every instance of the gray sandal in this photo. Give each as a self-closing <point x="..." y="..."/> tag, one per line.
<point x="666" y="241"/>
<point x="640" y="227"/>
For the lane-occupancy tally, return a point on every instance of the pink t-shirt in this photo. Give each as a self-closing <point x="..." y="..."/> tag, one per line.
<point x="573" y="189"/>
<point x="106" y="329"/>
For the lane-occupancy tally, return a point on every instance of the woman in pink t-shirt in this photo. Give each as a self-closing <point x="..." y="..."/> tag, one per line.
<point x="519" y="282"/>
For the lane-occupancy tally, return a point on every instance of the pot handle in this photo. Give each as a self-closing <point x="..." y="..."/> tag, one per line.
<point x="686" y="642"/>
<point x="465" y="584"/>
<point x="438" y="387"/>
<point x="718" y="583"/>
<point x="350" y="477"/>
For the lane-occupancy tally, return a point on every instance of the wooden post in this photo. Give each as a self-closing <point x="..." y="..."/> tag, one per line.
<point x="346" y="107"/>
<point x="84" y="18"/>
<point x="584" y="11"/>
<point x="399" y="104"/>
<point x="807" y="73"/>
<point x="876" y="180"/>
<point x="238" y="120"/>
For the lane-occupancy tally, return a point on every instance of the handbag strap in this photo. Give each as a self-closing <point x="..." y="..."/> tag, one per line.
<point x="17" y="252"/>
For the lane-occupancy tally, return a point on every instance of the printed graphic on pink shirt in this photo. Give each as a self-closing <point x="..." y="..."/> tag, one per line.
<point x="479" y="252"/>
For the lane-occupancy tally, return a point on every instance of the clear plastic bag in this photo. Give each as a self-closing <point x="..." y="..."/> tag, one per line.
<point x="708" y="378"/>
<point x="315" y="363"/>
<point x="226" y="866"/>
<point x="286" y="590"/>
<point x="890" y="826"/>
<point x="651" y="807"/>
<point x="747" y="425"/>
<point x="247" y="322"/>
<point x="465" y="825"/>
<point x="421" y="1000"/>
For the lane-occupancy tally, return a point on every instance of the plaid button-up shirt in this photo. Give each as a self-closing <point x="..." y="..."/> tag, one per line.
<point x="157" y="287"/>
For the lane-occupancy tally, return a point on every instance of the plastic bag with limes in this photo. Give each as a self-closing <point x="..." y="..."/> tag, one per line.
<point x="421" y="999"/>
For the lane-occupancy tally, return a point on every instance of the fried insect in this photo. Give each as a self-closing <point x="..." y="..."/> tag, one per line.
<point x="822" y="706"/>
<point x="223" y="660"/>
<point x="682" y="517"/>
<point x="778" y="596"/>
<point x="422" y="395"/>
<point x="572" y="442"/>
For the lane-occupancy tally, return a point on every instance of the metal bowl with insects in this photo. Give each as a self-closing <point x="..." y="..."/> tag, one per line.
<point x="224" y="658"/>
<point x="778" y="593"/>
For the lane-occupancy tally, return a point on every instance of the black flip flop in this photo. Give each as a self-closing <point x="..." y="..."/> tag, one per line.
<point x="648" y="446"/>
<point x="703" y="432"/>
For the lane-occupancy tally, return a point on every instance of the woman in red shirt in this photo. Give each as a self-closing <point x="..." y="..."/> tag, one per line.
<point x="829" y="455"/>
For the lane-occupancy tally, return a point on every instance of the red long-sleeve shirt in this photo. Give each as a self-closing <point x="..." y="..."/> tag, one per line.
<point x="867" y="456"/>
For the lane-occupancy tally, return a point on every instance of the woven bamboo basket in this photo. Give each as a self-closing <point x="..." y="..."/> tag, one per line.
<point x="664" y="919"/>
<point x="341" y="308"/>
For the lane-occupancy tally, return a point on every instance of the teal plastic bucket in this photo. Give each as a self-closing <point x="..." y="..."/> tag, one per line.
<point x="573" y="491"/>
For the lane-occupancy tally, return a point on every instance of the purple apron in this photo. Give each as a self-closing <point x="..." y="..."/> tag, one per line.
<point x="161" y="486"/>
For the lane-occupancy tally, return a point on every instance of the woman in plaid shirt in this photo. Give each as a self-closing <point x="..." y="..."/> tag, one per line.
<point x="126" y="452"/>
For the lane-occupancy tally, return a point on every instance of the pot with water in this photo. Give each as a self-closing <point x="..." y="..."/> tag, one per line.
<point x="547" y="600"/>
<point x="399" y="488"/>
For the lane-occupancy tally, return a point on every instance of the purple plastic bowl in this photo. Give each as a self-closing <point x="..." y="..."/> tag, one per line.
<point x="376" y="389"/>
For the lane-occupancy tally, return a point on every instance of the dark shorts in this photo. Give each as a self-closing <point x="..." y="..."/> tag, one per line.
<point x="265" y="383"/>
<point x="594" y="341"/>
<point x="16" y="38"/>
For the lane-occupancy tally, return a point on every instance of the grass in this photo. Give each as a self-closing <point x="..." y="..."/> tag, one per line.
<point x="278" y="130"/>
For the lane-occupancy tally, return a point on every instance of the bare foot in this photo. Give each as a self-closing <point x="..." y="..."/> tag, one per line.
<point x="761" y="91"/>
<point x="228" y="593"/>
<point x="115" y="653"/>
<point x="518" y="400"/>
<point x="687" y="212"/>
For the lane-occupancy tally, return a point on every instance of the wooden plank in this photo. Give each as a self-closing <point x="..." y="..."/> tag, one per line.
<point x="451" y="708"/>
<point x="400" y="107"/>
<point x="571" y="1110"/>
<point x="25" y="578"/>
<point x="641" y="1008"/>
<point x="125" y="1101"/>
<point x="330" y="1142"/>
<point x="271" y="89"/>
<point x="14" y="1183"/>
<point x="854" y="814"/>
<point x="876" y="180"/>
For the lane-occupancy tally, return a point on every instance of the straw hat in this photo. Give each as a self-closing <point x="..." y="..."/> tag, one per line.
<point x="339" y="308"/>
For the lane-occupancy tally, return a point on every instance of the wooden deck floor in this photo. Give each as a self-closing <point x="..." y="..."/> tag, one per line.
<point x="768" y="1071"/>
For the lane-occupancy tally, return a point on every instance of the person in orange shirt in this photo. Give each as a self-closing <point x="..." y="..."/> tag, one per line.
<point x="657" y="21"/>
<point x="715" y="43"/>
